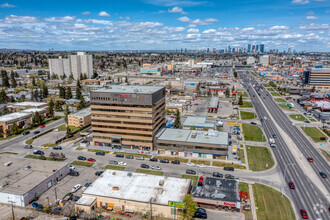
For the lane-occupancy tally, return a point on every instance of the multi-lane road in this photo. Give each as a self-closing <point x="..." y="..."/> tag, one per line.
<point x="306" y="195"/>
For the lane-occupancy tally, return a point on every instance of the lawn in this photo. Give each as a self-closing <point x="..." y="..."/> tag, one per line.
<point x="247" y="115"/>
<point x="245" y="95"/>
<point x="42" y="157"/>
<point x="113" y="167"/>
<point x="241" y="154"/>
<point x="96" y="150"/>
<point x="268" y="200"/>
<point x="285" y="107"/>
<point x="325" y="154"/>
<point x="270" y="89"/>
<point x="134" y="155"/>
<point x="243" y="187"/>
<point x="279" y="100"/>
<point x="193" y="178"/>
<point x="79" y="148"/>
<point x="201" y="162"/>
<point x="298" y="117"/>
<point x="312" y="119"/>
<point x="172" y="158"/>
<point x="82" y="163"/>
<point x="223" y="164"/>
<point x="314" y="133"/>
<point x="253" y="133"/>
<point x="152" y="172"/>
<point x="63" y="128"/>
<point x="9" y="153"/>
<point x="246" y="105"/>
<point x="275" y="94"/>
<point x="49" y="145"/>
<point x="258" y="157"/>
<point x="29" y="141"/>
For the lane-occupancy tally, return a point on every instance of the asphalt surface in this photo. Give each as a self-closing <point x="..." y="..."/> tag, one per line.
<point x="306" y="194"/>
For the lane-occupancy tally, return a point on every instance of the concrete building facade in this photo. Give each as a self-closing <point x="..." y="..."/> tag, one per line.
<point x="318" y="77"/>
<point x="80" y="119"/>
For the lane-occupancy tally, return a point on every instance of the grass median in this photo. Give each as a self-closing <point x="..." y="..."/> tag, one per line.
<point x="279" y="100"/>
<point x="182" y="160"/>
<point x="152" y="172"/>
<point x="13" y="153"/>
<point x="247" y="115"/>
<point x="246" y="105"/>
<point x="205" y="162"/>
<point x="134" y="155"/>
<point x="285" y="107"/>
<point x="113" y="167"/>
<point x="298" y="117"/>
<point x="244" y="187"/>
<point x="96" y="150"/>
<point x="314" y="133"/>
<point x="267" y="200"/>
<point x="275" y="94"/>
<point x="223" y="164"/>
<point x="82" y="163"/>
<point x="241" y="154"/>
<point x="42" y="157"/>
<point x="193" y="178"/>
<point x="326" y="155"/>
<point x="253" y="133"/>
<point x="259" y="157"/>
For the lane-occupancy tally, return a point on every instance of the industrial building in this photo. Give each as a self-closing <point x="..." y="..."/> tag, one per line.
<point x="22" y="179"/>
<point x="127" y="116"/>
<point x="191" y="143"/>
<point x="134" y="193"/>
<point x="318" y="77"/>
<point x="213" y="105"/>
<point x="216" y="193"/>
<point x="80" y="119"/>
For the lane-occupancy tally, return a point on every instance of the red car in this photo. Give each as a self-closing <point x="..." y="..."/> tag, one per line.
<point x="91" y="160"/>
<point x="310" y="159"/>
<point x="201" y="178"/>
<point x="303" y="213"/>
<point x="42" y="126"/>
<point x="291" y="185"/>
<point x="172" y="116"/>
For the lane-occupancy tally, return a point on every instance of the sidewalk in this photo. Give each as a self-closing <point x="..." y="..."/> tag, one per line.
<point x="253" y="206"/>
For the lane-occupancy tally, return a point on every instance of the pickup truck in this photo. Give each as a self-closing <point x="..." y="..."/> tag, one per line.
<point x="271" y="141"/>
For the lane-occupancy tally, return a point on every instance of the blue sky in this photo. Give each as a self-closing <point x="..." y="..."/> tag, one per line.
<point x="164" y="24"/>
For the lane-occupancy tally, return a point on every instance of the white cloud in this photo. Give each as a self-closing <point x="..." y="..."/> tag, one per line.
<point x="209" y="31"/>
<point x="86" y="13"/>
<point x="176" y="10"/>
<point x="206" y="21"/>
<point x="6" y="5"/>
<point x="302" y="2"/>
<point x="188" y="3"/>
<point x="248" y="29"/>
<point x="125" y="18"/>
<point x="279" y="27"/>
<point x="104" y="14"/>
<point x="20" y="19"/>
<point x="311" y="18"/>
<point x="184" y="19"/>
<point x="193" y="30"/>
<point x="61" y="19"/>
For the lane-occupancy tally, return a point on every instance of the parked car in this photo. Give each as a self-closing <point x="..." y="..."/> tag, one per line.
<point x="217" y="174"/>
<point x="73" y="173"/>
<point x="189" y="171"/>
<point x="87" y="184"/>
<point x="28" y="146"/>
<point x="153" y="159"/>
<point x="200" y="214"/>
<point x="26" y="132"/>
<point x="139" y="158"/>
<point x="303" y="213"/>
<point x="229" y="176"/>
<point x="145" y="166"/>
<point x="247" y="208"/>
<point x="42" y="126"/>
<point x="120" y="155"/>
<point x="190" y="164"/>
<point x="253" y="123"/>
<point x="307" y="121"/>
<point x="129" y="157"/>
<point x="113" y="162"/>
<point x="323" y="174"/>
<point x="75" y="198"/>
<point x="39" y="152"/>
<point x="72" y="167"/>
<point x="229" y="168"/>
<point x="98" y="173"/>
<point x="75" y="188"/>
<point x="310" y="159"/>
<point x="291" y="185"/>
<point x="201" y="165"/>
<point x="121" y="163"/>
<point x="91" y="160"/>
<point x="164" y="161"/>
<point x="36" y="132"/>
<point x="57" y="148"/>
<point x="274" y="136"/>
<point x="102" y="153"/>
<point x="175" y="162"/>
<point x="81" y="158"/>
<point x="44" y="147"/>
<point x="156" y="167"/>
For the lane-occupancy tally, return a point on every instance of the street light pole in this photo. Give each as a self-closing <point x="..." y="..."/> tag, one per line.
<point x="286" y="166"/>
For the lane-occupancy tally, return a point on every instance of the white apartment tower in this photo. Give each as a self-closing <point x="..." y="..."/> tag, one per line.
<point x="75" y="64"/>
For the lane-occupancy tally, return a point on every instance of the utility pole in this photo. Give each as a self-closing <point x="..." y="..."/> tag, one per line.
<point x="55" y="195"/>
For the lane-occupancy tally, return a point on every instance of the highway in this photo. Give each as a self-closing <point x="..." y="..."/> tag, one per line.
<point x="306" y="195"/>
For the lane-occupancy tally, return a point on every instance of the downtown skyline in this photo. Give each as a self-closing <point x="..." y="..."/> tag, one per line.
<point x="164" y="24"/>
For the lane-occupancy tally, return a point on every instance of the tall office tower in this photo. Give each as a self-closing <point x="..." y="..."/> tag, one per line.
<point x="214" y="50"/>
<point x="234" y="50"/>
<point x="253" y="48"/>
<point x="75" y="65"/>
<point x="289" y="50"/>
<point x="229" y="49"/>
<point x="208" y="50"/>
<point x="127" y="116"/>
<point x="262" y="48"/>
<point x="257" y="48"/>
<point x="185" y="50"/>
<point x="181" y="51"/>
<point x="249" y="48"/>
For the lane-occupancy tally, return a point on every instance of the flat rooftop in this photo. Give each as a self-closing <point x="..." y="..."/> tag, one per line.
<point x="205" y="137"/>
<point x="32" y="104"/>
<point x="82" y="113"/>
<point x="217" y="189"/>
<point x="139" y="187"/>
<point x="198" y="122"/>
<point x="32" y="110"/>
<point x="14" y="116"/>
<point x="22" y="181"/>
<point x="214" y="102"/>
<point x="131" y="89"/>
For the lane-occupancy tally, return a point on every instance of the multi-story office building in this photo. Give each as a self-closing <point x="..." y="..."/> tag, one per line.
<point x="127" y="116"/>
<point x="257" y="48"/>
<point x="318" y="77"/>
<point x="249" y="48"/>
<point x="262" y="48"/>
<point x="75" y="65"/>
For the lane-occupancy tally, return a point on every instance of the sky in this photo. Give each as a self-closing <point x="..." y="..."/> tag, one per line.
<point x="164" y="24"/>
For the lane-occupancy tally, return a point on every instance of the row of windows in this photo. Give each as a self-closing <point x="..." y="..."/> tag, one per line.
<point x="124" y="111"/>
<point x="122" y="133"/>
<point x="122" y="105"/>
<point x="121" y="116"/>
<point x="191" y="147"/>
<point x="124" y="139"/>
<point x="125" y="128"/>
<point x="122" y="122"/>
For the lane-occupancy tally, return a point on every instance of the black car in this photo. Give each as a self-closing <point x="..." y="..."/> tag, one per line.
<point x="36" y="132"/>
<point x="175" y="162"/>
<point x="119" y="155"/>
<point x="98" y="173"/>
<point x="153" y="159"/>
<point x="81" y="158"/>
<point x="307" y="121"/>
<point x="57" y="148"/>
<point x="200" y="214"/>
<point x="102" y="153"/>
<point x="323" y="175"/>
<point x="73" y="173"/>
<point x="28" y="146"/>
<point x="26" y="132"/>
<point x="229" y="168"/>
<point x="189" y="171"/>
<point x="253" y="123"/>
<point x="75" y="198"/>
<point x="87" y="184"/>
<point x="229" y="176"/>
<point x="217" y="174"/>
<point x="164" y="161"/>
<point x="129" y="157"/>
<point x="145" y="166"/>
<point x="39" y="152"/>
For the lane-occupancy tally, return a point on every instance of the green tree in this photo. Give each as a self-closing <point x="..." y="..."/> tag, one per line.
<point x="313" y="89"/>
<point x="198" y="88"/>
<point x="71" y="76"/>
<point x="233" y="89"/>
<point x="78" y="84"/>
<point x="14" y="129"/>
<point x="235" y="73"/>
<point x="5" y="110"/>
<point x="191" y="207"/>
<point x="58" y="106"/>
<point x="68" y="93"/>
<point x="240" y="100"/>
<point x="34" y="82"/>
<point x="3" y="96"/>
<point x="51" y="108"/>
<point x="45" y="91"/>
<point x="53" y="76"/>
<point x="36" y="119"/>
<point x="177" y="122"/>
<point x="78" y="93"/>
<point x="13" y="80"/>
<point x="22" y="98"/>
<point x="227" y="92"/>
<point x="68" y="131"/>
<point x="48" y="75"/>
<point x="66" y="114"/>
<point x="12" y="99"/>
<point x="62" y="92"/>
<point x="94" y="75"/>
<point x="82" y="103"/>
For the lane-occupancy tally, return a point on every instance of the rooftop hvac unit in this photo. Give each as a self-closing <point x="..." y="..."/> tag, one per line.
<point x="160" y="191"/>
<point x="193" y="134"/>
<point x="218" y="196"/>
<point x="218" y="183"/>
<point x="113" y="173"/>
<point x="161" y="182"/>
<point x="129" y="174"/>
<point x="115" y="188"/>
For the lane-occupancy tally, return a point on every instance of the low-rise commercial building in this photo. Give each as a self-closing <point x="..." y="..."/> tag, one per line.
<point x="20" y="118"/>
<point x="135" y="193"/>
<point x="213" y="105"/>
<point x="80" y="119"/>
<point x="19" y="106"/>
<point x="25" y="179"/>
<point x="191" y="143"/>
<point x="199" y="123"/>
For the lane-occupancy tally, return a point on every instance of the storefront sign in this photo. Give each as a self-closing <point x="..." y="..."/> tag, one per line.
<point x="124" y="95"/>
<point x="233" y="124"/>
<point x="181" y="205"/>
<point x="229" y="204"/>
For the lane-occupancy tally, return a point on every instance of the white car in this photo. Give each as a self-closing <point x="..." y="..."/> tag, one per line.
<point x="121" y="163"/>
<point x="201" y="165"/>
<point x="71" y="167"/>
<point x="75" y="188"/>
<point x="190" y="164"/>
<point x="156" y="167"/>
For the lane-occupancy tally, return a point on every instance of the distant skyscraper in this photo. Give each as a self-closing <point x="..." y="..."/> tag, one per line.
<point x="289" y="50"/>
<point x="214" y="50"/>
<point x="253" y="48"/>
<point x="185" y="50"/>
<point x="229" y="49"/>
<point x="249" y="48"/>
<point x="233" y="50"/>
<point x="208" y="50"/>
<point x="262" y="48"/>
<point x="257" y="47"/>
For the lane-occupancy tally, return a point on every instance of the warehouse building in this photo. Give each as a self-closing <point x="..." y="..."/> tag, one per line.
<point x="21" y="179"/>
<point x="134" y="193"/>
<point x="213" y="105"/>
<point x="190" y="143"/>
<point x="127" y="116"/>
